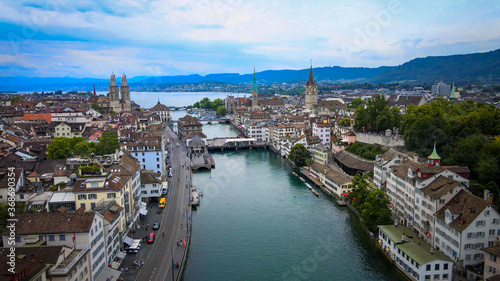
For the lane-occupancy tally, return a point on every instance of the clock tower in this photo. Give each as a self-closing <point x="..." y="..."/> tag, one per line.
<point x="255" y="94"/>
<point x="311" y="91"/>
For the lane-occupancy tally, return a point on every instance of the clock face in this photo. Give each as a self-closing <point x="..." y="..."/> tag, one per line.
<point x="314" y="90"/>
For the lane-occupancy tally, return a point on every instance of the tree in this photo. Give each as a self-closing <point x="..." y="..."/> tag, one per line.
<point x="59" y="148"/>
<point x="221" y="111"/>
<point x="58" y="92"/>
<point x="372" y="204"/>
<point x="108" y="143"/>
<point x="20" y="208"/>
<point x="82" y="149"/>
<point x="355" y="103"/>
<point x="345" y="122"/>
<point x="98" y="108"/>
<point x="112" y="112"/>
<point x="299" y="155"/>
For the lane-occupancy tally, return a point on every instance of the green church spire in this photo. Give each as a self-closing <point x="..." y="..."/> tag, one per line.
<point x="434" y="154"/>
<point x="452" y="94"/>
<point x="254" y="87"/>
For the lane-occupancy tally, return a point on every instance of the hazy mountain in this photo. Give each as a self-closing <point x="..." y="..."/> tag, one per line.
<point x="470" y="68"/>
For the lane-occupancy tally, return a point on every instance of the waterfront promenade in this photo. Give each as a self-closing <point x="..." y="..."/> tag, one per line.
<point x="174" y="222"/>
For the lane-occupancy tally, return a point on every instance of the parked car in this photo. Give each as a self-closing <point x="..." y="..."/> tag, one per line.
<point x="151" y="237"/>
<point x="156" y="225"/>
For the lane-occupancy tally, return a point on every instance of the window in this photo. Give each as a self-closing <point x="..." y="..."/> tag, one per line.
<point x="111" y="195"/>
<point x="436" y="267"/>
<point x="445" y="277"/>
<point x="62" y="237"/>
<point x="94" y="184"/>
<point x="82" y="196"/>
<point x="467" y="257"/>
<point x="493" y="258"/>
<point x="143" y="160"/>
<point x="495" y="221"/>
<point x="157" y="159"/>
<point x="478" y="256"/>
<point x="92" y="206"/>
<point x="482" y="223"/>
<point x="492" y="232"/>
<point x="491" y="269"/>
<point x="52" y="238"/>
<point x="427" y="277"/>
<point x="487" y="213"/>
<point x="93" y="196"/>
<point x="428" y="268"/>
<point x="445" y="266"/>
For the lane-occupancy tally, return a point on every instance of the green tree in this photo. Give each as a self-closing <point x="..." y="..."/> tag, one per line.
<point x="58" y="92"/>
<point x="98" y="108"/>
<point x="346" y="122"/>
<point x="82" y="149"/>
<point x="299" y="155"/>
<point x="20" y="208"/>
<point x="108" y="143"/>
<point x="112" y="112"/>
<point x="355" y="103"/>
<point x="59" y="148"/>
<point x="221" y="111"/>
<point x="375" y="210"/>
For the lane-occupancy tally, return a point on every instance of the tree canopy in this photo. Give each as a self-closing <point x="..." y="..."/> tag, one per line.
<point x="61" y="147"/>
<point x="377" y="116"/>
<point x="372" y="204"/>
<point x="221" y="110"/>
<point x="299" y="155"/>
<point x="208" y="104"/>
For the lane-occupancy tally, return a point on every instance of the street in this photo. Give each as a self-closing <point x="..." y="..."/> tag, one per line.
<point x="173" y="220"/>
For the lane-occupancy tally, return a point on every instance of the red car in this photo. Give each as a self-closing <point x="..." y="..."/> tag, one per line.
<point x="151" y="237"/>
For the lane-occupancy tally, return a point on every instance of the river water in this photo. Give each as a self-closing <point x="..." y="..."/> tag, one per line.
<point x="257" y="221"/>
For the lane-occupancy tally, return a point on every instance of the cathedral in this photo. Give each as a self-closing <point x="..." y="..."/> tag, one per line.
<point x="114" y="102"/>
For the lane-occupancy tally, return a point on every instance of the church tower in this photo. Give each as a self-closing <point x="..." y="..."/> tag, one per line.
<point x="255" y="95"/>
<point x="311" y="91"/>
<point x="114" y="100"/>
<point x="125" y="93"/>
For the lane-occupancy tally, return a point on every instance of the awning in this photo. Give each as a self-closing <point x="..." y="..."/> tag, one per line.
<point x="109" y="274"/>
<point x="128" y="240"/>
<point x="143" y="204"/>
<point x="121" y="255"/>
<point x="143" y="211"/>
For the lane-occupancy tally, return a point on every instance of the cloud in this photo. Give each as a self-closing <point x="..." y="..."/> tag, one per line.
<point x="82" y="38"/>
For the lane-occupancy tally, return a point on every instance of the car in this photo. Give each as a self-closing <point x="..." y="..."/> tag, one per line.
<point x="151" y="237"/>
<point x="177" y="144"/>
<point x="156" y="225"/>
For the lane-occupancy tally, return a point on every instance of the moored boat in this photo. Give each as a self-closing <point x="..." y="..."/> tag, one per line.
<point x="315" y="192"/>
<point x="302" y="179"/>
<point x="295" y="174"/>
<point x="194" y="197"/>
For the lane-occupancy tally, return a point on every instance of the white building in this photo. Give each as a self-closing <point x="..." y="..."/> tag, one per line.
<point x="416" y="259"/>
<point x="151" y="185"/>
<point x="323" y="131"/>
<point x="150" y="152"/>
<point x="464" y="226"/>
<point x="82" y="230"/>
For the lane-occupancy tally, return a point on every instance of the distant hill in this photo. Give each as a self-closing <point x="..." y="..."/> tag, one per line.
<point x="471" y="68"/>
<point x="331" y="74"/>
<point x="461" y="69"/>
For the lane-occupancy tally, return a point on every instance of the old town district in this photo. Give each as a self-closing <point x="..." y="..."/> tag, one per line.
<point x="83" y="207"/>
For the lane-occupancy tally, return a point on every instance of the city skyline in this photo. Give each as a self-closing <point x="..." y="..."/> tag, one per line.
<point x="154" y="38"/>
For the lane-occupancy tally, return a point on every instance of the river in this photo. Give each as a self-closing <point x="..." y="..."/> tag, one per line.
<point x="258" y="221"/>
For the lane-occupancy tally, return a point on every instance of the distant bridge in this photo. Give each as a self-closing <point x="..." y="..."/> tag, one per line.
<point x="177" y="107"/>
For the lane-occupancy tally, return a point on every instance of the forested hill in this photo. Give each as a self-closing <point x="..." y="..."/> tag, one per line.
<point x="462" y="69"/>
<point x="330" y="74"/>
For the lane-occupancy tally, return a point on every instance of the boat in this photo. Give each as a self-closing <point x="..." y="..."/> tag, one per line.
<point x="194" y="197"/>
<point x="295" y="174"/>
<point x="302" y="179"/>
<point x="309" y="186"/>
<point x="315" y="192"/>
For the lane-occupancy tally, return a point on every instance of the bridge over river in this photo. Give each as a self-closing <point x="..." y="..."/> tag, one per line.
<point x="235" y="144"/>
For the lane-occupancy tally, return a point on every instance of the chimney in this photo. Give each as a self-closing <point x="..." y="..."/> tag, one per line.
<point x="490" y="198"/>
<point x="496" y="242"/>
<point x="432" y="251"/>
<point x="403" y="238"/>
<point x="486" y="193"/>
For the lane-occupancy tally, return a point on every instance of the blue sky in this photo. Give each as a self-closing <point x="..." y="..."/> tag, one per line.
<point x="86" y="38"/>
